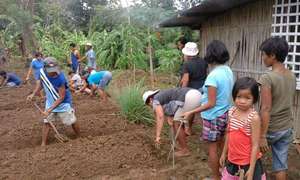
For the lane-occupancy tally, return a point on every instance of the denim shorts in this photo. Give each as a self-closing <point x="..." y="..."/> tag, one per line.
<point x="214" y="130"/>
<point x="279" y="142"/>
<point x="105" y="80"/>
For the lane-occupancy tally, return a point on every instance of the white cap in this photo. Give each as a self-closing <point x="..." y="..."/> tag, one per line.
<point x="190" y="49"/>
<point x="93" y="72"/>
<point x="88" y="44"/>
<point x="147" y="94"/>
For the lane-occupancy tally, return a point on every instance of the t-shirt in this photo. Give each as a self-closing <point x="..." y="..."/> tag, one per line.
<point x="283" y="88"/>
<point x="166" y="96"/>
<point x="77" y="80"/>
<point x="197" y="70"/>
<point x="221" y="77"/>
<point x="96" y="77"/>
<point x="12" y="77"/>
<point x="58" y="82"/>
<point x="91" y="57"/>
<point x="36" y="65"/>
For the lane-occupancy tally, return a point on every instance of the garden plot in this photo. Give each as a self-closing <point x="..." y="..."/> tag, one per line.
<point x="110" y="147"/>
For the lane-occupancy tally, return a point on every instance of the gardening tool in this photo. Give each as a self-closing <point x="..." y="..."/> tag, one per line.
<point x="173" y="139"/>
<point x="58" y="136"/>
<point x="241" y="174"/>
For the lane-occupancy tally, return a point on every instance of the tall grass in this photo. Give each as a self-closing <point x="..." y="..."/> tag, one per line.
<point x="132" y="105"/>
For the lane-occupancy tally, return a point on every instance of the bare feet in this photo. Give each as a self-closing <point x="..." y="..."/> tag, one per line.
<point x="170" y="121"/>
<point x="182" y="153"/>
<point x="43" y="147"/>
<point x="188" y="131"/>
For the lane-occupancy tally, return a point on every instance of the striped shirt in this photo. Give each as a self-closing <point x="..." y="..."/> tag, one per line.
<point x="241" y="124"/>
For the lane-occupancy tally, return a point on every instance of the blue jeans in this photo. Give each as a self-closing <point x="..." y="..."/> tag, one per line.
<point x="279" y="142"/>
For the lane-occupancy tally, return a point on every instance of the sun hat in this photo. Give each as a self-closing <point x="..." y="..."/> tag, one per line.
<point x="190" y="49"/>
<point x="147" y="94"/>
<point x="51" y="65"/>
<point x="88" y="44"/>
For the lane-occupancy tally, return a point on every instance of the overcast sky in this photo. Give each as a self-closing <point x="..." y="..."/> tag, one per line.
<point x="126" y="3"/>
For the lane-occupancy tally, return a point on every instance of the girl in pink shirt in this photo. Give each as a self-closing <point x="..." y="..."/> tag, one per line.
<point x="241" y="148"/>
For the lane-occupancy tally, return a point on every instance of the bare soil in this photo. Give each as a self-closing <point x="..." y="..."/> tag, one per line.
<point x="109" y="146"/>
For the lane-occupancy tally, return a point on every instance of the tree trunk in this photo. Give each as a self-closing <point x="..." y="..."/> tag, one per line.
<point x="28" y="41"/>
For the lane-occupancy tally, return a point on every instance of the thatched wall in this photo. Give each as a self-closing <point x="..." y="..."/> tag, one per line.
<point x="243" y="29"/>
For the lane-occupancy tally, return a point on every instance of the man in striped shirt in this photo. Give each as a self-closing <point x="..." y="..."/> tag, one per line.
<point x="58" y="98"/>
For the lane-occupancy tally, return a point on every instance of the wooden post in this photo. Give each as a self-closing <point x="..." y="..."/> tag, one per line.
<point x="150" y="59"/>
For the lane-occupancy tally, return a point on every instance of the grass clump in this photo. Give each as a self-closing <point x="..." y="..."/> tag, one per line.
<point x="132" y="105"/>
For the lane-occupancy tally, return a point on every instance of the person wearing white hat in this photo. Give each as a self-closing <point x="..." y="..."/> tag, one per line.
<point x="90" y="56"/>
<point x="194" y="68"/>
<point x="194" y="72"/>
<point x="172" y="103"/>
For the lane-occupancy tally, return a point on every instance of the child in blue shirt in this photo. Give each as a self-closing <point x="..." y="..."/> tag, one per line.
<point x="216" y="102"/>
<point x="36" y="65"/>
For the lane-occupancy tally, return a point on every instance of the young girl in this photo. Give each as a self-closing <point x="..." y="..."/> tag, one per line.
<point x="241" y="148"/>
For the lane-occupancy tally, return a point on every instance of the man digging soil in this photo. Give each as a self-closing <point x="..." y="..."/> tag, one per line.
<point x="58" y="98"/>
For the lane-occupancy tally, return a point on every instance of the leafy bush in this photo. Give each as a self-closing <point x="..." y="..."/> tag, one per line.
<point x="124" y="48"/>
<point x="169" y="59"/>
<point x="132" y="105"/>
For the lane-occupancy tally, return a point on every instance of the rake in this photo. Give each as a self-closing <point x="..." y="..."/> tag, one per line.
<point x="173" y="138"/>
<point x="57" y="135"/>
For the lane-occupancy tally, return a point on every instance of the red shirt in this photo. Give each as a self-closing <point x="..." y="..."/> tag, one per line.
<point x="239" y="138"/>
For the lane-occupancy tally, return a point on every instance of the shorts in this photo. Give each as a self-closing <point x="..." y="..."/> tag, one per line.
<point x="11" y="84"/>
<point x="67" y="118"/>
<point x="229" y="172"/>
<point x="279" y="142"/>
<point x="92" y="64"/>
<point x="105" y="80"/>
<point x="192" y="101"/>
<point x="75" y="68"/>
<point x="214" y="130"/>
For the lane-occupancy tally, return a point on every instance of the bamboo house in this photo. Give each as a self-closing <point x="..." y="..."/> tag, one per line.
<point x="243" y="25"/>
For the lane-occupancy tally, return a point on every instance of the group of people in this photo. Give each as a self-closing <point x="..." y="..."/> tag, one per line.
<point x="207" y="88"/>
<point x="57" y="89"/>
<point x="236" y="133"/>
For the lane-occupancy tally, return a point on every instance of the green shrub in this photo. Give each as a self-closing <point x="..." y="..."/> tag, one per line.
<point x="132" y="105"/>
<point x="169" y="59"/>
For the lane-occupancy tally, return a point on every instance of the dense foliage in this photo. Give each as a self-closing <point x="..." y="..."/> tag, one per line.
<point x="122" y="38"/>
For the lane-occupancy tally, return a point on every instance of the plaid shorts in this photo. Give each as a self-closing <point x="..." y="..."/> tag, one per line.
<point x="214" y="130"/>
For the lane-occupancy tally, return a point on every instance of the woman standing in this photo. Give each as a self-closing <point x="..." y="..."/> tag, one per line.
<point x="216" y="102"/>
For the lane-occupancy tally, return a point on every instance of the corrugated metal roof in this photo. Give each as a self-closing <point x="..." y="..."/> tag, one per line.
<point x="194" y="16"/>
